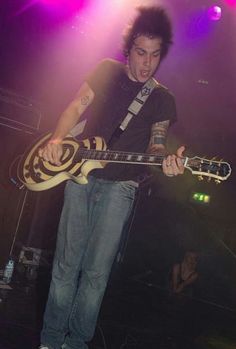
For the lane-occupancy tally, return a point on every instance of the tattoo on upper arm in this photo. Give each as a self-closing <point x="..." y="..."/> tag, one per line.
<point x="85" y="100"/>
<point x="159" y="132"/>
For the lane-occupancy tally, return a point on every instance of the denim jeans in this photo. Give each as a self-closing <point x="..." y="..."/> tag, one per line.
<point x="89" y="233"/>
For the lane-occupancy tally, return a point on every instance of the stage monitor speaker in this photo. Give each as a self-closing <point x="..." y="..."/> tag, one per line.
<point x="38" y="211"/>
<point x="18" y="112"/>
<point x="12" y="144"/>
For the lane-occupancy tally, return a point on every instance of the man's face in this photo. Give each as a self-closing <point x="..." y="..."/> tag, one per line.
<point x="144" y="58"/>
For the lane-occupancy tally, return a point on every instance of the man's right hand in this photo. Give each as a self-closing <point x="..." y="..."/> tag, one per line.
<point x="52" y="152"/>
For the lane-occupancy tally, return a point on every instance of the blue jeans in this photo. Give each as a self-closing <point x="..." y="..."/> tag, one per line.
<point x="90" y="229"/>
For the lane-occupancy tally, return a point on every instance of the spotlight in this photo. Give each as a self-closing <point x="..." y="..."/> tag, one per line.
<point x="214" y="13"/>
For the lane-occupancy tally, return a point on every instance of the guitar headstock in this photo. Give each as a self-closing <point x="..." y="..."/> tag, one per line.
<point x="218" y="170"/>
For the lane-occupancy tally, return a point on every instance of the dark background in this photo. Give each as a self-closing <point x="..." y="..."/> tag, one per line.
<point x="44" y="55"/>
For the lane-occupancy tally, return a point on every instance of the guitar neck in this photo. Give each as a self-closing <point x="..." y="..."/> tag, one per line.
<point x="120" y="157"/>
<point x="200" y="166"/>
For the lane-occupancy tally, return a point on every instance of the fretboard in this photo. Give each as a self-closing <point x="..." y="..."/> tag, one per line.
<point x="119" y="156"/>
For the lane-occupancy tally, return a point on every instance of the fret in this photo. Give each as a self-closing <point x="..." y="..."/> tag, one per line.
<point x="105" y="155"/>
<point x="151" y="159"/>
<point x="109" y="155"/>
<point x="123" y="157"/>
<point x="133" y="158"/>
<point x="139" y="158"/>
<point x="129" y="157"/>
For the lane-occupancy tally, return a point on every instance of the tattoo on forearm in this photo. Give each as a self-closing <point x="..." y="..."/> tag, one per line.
<point x="158" y="132"/>
<point x="85" y="100"/>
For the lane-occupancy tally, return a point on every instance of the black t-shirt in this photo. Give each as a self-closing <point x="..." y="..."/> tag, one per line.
<point x="114" y="92"/>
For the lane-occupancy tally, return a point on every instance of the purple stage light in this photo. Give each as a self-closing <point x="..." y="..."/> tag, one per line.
<point x="214" y="13"/>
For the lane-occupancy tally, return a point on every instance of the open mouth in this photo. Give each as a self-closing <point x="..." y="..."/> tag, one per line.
<point x="145" y="73"/>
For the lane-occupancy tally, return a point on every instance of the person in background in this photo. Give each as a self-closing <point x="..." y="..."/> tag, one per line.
<point x="184" y="274"/>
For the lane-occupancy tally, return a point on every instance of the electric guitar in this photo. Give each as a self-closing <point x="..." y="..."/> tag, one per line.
<point x="81" y="157"/>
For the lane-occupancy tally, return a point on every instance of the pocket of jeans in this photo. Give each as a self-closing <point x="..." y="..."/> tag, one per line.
<point x="129" y="188"/>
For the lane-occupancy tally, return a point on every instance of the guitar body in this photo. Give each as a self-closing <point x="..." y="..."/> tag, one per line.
<point x="37" y="174"/>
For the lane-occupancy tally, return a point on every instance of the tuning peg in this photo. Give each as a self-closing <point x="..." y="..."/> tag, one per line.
<point x="208" y="179"/>
<point x="214" y="158"/>
<point x="200" y="178"/>
<point x="217" y="181"/>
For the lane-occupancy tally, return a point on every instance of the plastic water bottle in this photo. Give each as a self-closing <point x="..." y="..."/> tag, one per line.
<point x="8" y="271"/>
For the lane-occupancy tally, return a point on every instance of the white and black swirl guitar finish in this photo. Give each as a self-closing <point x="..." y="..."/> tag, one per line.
<point x="81" y="157"/>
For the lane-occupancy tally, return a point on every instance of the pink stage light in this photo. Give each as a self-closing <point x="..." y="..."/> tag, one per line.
<point x="51" y="2"/>
<point x="64" y="5"/>
<point x="215" y="13"/>
<point x="61" y="2"/>
<point x="231" y="3"/>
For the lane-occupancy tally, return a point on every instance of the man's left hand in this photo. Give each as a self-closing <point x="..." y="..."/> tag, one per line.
<point x="173" y="165"/>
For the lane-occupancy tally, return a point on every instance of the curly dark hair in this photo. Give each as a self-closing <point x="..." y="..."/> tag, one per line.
<point x="151" y="22"/>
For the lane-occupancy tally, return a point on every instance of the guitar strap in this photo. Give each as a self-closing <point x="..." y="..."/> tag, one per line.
<point x="134" y="108"/>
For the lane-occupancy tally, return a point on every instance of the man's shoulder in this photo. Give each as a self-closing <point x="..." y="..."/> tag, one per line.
<point x="106" y="72"/>
<point x="110" y="64"/>
<point x="162" y="90"/>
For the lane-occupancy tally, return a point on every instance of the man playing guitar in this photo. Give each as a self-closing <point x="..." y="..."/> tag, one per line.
<point x="94" y="214"/>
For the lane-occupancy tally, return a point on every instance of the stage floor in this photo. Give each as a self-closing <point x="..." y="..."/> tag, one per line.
<point x="135" y="314"/>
